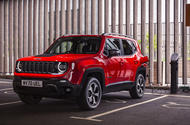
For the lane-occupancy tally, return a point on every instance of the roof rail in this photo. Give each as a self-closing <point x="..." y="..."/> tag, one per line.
<point x="116" y="34"/>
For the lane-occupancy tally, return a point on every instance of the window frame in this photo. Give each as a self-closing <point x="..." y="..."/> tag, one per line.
<point x="120" y="49"/>
<point x="127" y="40"/>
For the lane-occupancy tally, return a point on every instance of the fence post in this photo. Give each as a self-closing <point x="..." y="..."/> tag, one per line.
<point x="81" y="16"/>
<point x="25" y="28"/>
<point x="114" y="16"/>
<point x="6" y="37"/>
<point x="127" y="17"/>
<point x="30" y="28"/>
<point x="159" y="42"/>
<point x="35" y="29"/>
<point x="75" y="19"/>
<point x="151" y="43"/>
<point x="143" y="32"/>
<point x="46" y="25"/>
<point x="1" y="37"/>
<point x="167" y="43"/>
<point x="107" y="15"/>
<point x="94" y="16"/>
<point x="184" y="44"/>
<point x="121" y="16"/>
<point x="135" y="10"/>
<point x="63" y="18"/>
<point x="100" y="16"/>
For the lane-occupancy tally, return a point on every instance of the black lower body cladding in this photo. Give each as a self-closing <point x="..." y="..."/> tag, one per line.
<point x="51" y="88"/>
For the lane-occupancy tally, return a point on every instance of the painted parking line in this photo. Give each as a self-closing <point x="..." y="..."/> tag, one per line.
<point x="9" y="103"/>
<point x="93" y="118"/>
<point x="6" y="89"/>
<point x="175" y="105"/>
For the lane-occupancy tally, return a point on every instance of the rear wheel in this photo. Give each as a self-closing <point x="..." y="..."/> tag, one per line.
<point x="91" y="95"/>
<point x="138" y="90"/>
<point x="29" y="99"/>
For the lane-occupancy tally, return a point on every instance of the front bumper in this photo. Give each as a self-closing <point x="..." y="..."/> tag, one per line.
<point x="51" y="88"/>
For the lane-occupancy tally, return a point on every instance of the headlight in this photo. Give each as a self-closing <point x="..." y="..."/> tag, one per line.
<point x="19" y="66"/>
<point x="62" y="67"/>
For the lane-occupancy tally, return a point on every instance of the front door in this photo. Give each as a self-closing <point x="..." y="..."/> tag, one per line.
<point x="113" y="65"/>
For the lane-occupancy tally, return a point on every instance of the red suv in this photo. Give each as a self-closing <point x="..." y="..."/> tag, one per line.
<point x="82" y="66"/>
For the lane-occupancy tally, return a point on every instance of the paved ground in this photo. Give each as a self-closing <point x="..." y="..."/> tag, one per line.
<point x="157" y="108"/>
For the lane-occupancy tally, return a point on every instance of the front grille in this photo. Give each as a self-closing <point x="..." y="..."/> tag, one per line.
<point x="39" y="67"/>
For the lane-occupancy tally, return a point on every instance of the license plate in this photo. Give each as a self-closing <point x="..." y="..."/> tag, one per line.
<point x="32" y="83"/>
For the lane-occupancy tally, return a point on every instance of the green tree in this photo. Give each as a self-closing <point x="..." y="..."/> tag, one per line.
<point x="147" y="43"/>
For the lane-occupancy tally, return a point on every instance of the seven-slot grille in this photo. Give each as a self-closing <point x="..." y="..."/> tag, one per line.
<point x="39" y="67"/>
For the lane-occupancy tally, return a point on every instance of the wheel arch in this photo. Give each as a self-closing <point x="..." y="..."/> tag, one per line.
<point x="96" y="72"/>
<point x="142" y="70"/>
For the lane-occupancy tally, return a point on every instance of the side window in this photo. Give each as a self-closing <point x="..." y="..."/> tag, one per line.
<point x="111" y="44"/>
<point x="127" y="48"/>
<point x="132" y="45"/>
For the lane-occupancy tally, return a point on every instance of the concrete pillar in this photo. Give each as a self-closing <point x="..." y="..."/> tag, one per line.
<point x="1" y="37"/>
<point x="20" y="28"/>
<point x="51" y="21"/>
<point x="184" y="44"/>
<point x="35" y="27"/>
<point x="63" y="20"/>
<point x="121" y="17"/>
<point x="100" y="16"/>
<point x="30" y="28"/>
<point x="151" y="43"/>
<point x="75" y="19"/>
<point x="57" y="19"/>
<point x="107" y="16"/>
<point x="41" y="27"/>
<point x="94" y="16"/>
<point x="135" y="9"/>
<point x="159" y="42"/>
<point x="69" y="18"/>
<point x="143" y="32"/>
<point x="15" y="18"/>
<point x="25" y="27"/>
<point x="128" y="15"/>
<point x="87" y="15"/>
<point x="10" y="47"/>
<point x="46" y="24"/>
<point x="81" y="16"/>
<point x="114" y="16"/>
<point x="6" y="37"/>
<point x="176" y="26"/>
<point x="167" y="43"/>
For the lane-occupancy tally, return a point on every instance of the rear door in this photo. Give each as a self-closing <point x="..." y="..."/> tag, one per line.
<point x="129" y="61"/>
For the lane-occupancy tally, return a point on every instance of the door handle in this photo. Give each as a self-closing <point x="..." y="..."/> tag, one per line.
<point x="122" y="63"/>
<point x="135" y="61"/>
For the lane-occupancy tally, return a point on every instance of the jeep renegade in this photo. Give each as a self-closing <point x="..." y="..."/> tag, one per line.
<point x="82" y="66"/>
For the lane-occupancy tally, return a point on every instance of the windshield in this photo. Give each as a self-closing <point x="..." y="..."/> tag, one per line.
<point x="75" y="45"/>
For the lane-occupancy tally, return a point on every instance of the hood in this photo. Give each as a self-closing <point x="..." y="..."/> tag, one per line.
<point x="61" y="57"/>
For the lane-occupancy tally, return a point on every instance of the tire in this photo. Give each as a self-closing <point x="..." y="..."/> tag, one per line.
<point x="91" y="95"/>
<point x="29" y="99"/>
<point x="138" y="90"/>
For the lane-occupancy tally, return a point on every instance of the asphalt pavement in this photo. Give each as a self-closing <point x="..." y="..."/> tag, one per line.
<point x="157" y="108"/>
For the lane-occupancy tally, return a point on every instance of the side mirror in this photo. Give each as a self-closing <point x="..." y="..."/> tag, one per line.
<point x="114" y="52"/>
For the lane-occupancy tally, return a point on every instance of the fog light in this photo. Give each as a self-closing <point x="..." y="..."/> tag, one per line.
<point x="68" y="89"/>
<point x="63" y="81"/>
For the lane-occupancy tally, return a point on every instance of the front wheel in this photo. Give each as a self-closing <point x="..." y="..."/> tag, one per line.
<point x="29" y="99"/>
<point x="138" y="90"/>
<point x="91" y="95"/>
